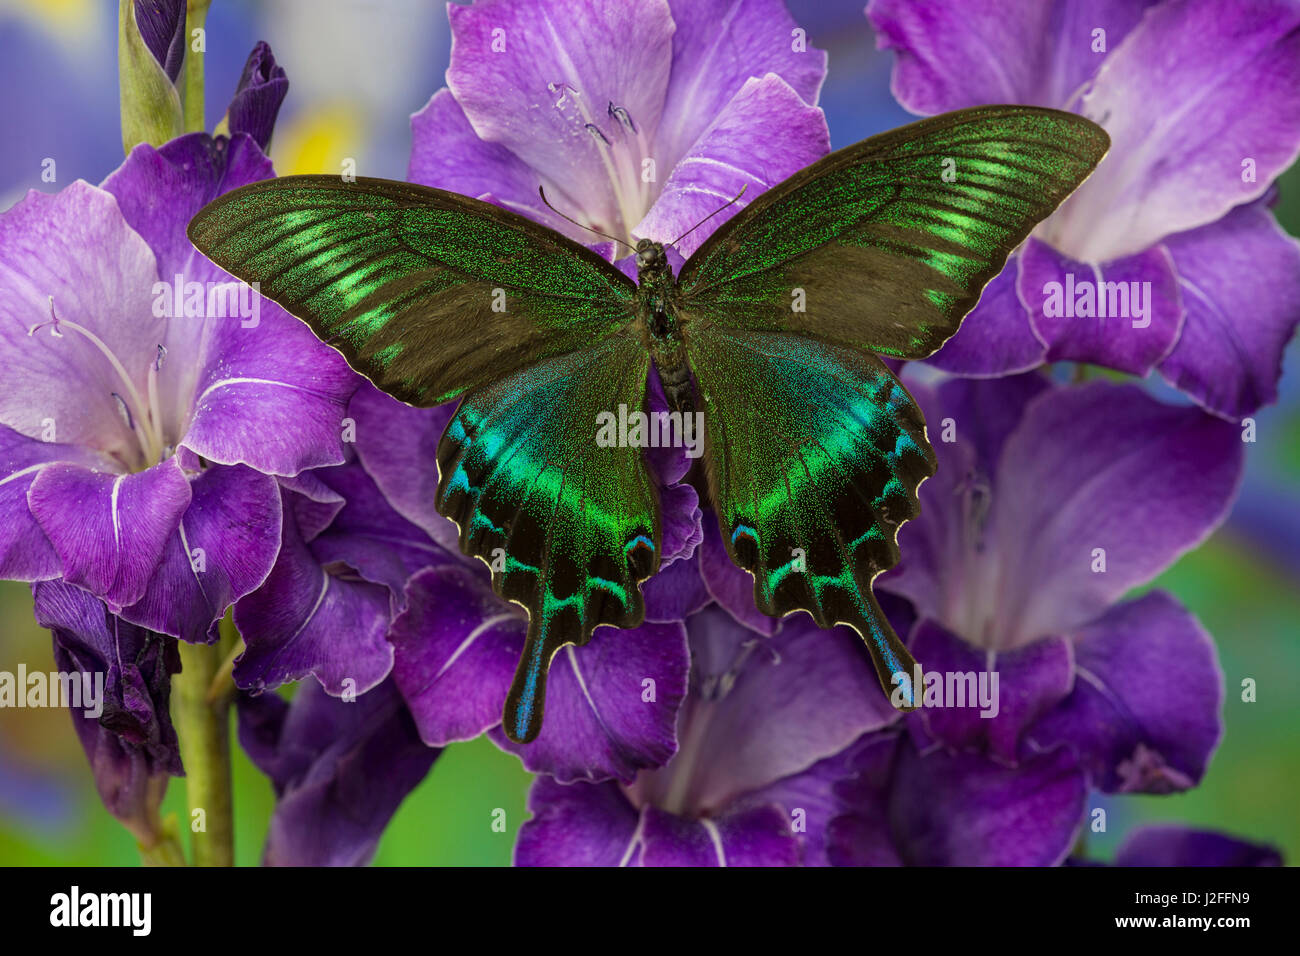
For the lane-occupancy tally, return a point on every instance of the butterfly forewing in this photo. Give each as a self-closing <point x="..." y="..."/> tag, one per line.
<point x="886" y="245"/>
<point x="426" y="293"/>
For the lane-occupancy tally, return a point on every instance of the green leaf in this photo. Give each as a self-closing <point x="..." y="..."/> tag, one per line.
<point x="151" y="107"/>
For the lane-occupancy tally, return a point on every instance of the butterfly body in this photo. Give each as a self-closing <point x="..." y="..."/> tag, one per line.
<point x="771" y="331"/>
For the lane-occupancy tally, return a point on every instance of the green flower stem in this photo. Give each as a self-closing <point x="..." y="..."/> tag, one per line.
<point x="203" y="723"/>
<point x="165" y="850"/>
<point x="196" y="14"/>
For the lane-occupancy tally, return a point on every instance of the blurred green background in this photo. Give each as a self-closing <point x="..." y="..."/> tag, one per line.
<point x="357" y="70"/>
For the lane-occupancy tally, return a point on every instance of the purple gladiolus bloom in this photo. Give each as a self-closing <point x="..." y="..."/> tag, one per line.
<point x="131" y="745"/>
<point x="1167" y="257"/>
<point x="763" y="733"/>
<point x="262" y="88"/>
<point x="148" y="399"/>
<point x="1049" y="505"/>
<point x="639" y="119"/>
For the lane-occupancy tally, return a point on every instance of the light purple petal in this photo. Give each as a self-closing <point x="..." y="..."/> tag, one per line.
<point x="757" y="837"/>
<point x="1078" y="293"/>
<point x="110" y="530"/>
<point x="340" y="770"/>
<point x="549" y="90"/>
<point x="306" y="619"/>
<point x="675" y="593"/>
<point x="224" y="548"/>
<point x="76" y="247"/>
<point x="611" y="706"/>
<point x="996" y="337"/>
<point x="1238" y="279"/>
<point x="1031" y="680"/>
<point x="737" y="150"/>
<point x="957" y="53"/>
<point x="456" y="646"/>
<point x="1197" y="89"/>
<point x="730" y="586"/>
<point x="1145" y="712"/>
<point x="1102" y="467"/>
<point x="579" y="824"/>
<point x="717" y="47"/>
<point x="25" y="553"/>
<point x="809" y="802"/>
<point x="398" y="446"/>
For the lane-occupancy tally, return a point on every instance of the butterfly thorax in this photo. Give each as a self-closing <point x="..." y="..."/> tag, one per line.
<point x="660" y="320"/>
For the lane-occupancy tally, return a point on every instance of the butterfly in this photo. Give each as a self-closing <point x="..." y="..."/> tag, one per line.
<point x="773" y="331"/>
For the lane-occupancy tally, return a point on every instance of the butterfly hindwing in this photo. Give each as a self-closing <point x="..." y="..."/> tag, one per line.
<point x="886" y="245"/>
<point x="427" y="293"/>
<point x="568" y="525"/>
<point x="814" y="453"/>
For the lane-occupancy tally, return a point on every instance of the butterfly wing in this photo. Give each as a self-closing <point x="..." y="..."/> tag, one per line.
<point x="569" y="526"/>
<point x="886" y="245"/>
<point x="814" y="450"/>
<point x="813" y="453"/>
<point x="427" y="293"/>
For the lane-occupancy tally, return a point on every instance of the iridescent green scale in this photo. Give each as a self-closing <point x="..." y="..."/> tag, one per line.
<point x="813" y="450"/>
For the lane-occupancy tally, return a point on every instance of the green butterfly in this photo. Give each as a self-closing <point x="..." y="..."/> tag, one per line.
<point x="813" y="451"/>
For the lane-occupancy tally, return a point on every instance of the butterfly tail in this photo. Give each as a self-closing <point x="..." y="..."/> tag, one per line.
<point x="526" y="702"/>
<point x="888" y="654"/>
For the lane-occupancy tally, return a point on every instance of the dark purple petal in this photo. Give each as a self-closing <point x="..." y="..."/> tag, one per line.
<point x="679" y="503"/>
<point x="1145" y="712"/>
<point x="1202" y="104"/>
<point x="1173" y="845"/>
<point x="971" y="52"/>
<point x="256" y="103"/>
<point x="861" y="835"/>
<point x="223" y="549"/>
<point x="717" y="46"/>
<point x="25" y="553"/>
<point x="1238" y="278"/>
<point x="456" y="646"/>
<point x="543" y="79"/>
<point x="131" y="744"/>
<point x="809" y="802"/>
<point x="159" y="189"/>
<point x="308" y="619"/>
<point x="965" y="810"/>
<point x="75" y="247"/>
<point x="398" y="446"/>
<point x="731" y="587"/>
<point x="757" y="837"/>
<point x="675" y="593"/>
<point x="340" y="770"/>
<point x="611" y="706"/>
<point x="737" y="150"/>
<point x="1030" y="681"/>
<point x="1102" y="467"/>
<point x="110" y="530"/>
<point x="578" y="824"/>
<point x="996" y="337"/>
<point x="315" y="504"/>
<point x="1066" y="301"/>
<point x="162" y="27"/>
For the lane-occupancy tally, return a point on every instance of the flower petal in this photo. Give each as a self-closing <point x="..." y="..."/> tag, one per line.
<point x="675" y="593"/>
<point x="860" y="835"/>
<point x="74" y="246"/>
<point x="1195" y="91"/>
<point x="718" y="46"/>
<point x="223" y="549"/>
<point x="306" y="620"/>
<point x="578" y="824"/>
<point x="737" y="150"/>
<point x="1030" y="681"/>
<point x="957" y="53"/>
<point x="730" y="586"/>
<point x="543" y="80"/>
<point x="1173" y="845"/>
<point x="256" y="103"/>
<point x="1238" y="278"/>
<point x="25" y="553"/>
<point x="1145" y="712"/>
<point x="340" y="770"/>
<point x="1103" y="473"/>
<point x="109" y="530"/>
<point x="757" y="837"/>
<point x="809" y="802"/>
<point x="1089" y="313"/>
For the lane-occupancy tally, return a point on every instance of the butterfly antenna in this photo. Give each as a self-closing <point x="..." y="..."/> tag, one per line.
<point x="541" y="191"/>
<point x="710" y="215"/>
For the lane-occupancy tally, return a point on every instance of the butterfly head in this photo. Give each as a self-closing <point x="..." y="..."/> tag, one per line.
<point x="650" y="256"/>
